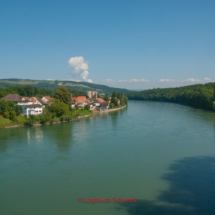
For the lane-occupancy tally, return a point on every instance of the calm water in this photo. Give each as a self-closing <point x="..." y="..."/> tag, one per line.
<point x="161" y="153"/>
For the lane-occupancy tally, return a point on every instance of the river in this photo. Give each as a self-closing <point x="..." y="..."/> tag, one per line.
<point x="163" y="154"/>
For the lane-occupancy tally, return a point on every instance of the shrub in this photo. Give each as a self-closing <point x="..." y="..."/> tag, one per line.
<point x="12" y="116"/>
<point x="6" y="115"/>
<point x="87" y="107"/>
<point x="18" y="110"/>
<point x="31" y="120"/>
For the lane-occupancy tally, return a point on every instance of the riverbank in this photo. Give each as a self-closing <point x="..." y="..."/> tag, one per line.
<point x="55" y="122"/>
<point x="39" y="124"/>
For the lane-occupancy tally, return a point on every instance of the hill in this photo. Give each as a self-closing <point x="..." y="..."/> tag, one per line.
<point x="198" y="95"/>
<point x="52" y="85"/>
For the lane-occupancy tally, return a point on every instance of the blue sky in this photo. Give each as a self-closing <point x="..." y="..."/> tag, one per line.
<point x="135" y="44"/>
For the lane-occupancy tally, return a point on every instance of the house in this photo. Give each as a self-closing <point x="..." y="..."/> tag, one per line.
<point x="73" y="103"/>
<point x="103" y="106"/>
<point x="30" y="106"/>
<point x="33" y="109"/>
<point x="92" y="94"/>
<point x="100" y="100"/>
<point x="46" y="98"/>
<point x="91" y="104"/>
<point x="17" y="100"/>
<point x="37" y="100"/>
<point x="80" y="100"/>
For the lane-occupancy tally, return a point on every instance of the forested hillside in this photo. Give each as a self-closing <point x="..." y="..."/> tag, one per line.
<point x="30" y="91"/>
<point x="199" y="95"/>
<point x="52" y="85"/>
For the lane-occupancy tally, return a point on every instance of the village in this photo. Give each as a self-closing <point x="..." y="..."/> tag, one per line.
<point x="35" y="105"/>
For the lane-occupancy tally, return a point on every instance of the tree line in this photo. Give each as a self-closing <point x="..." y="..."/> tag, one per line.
<point x="30" y="91"/>
<point x="199" y="95"/>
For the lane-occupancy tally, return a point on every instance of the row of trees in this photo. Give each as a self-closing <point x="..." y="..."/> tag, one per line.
<point x="114" y="99"/>
<point x="199" y="95"/>
<point x="30" y="91"/>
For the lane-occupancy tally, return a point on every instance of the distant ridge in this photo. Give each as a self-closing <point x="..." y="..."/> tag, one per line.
<point x="53" y="84"/>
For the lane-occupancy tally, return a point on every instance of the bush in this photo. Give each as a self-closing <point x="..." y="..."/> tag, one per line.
<point x="31" y="120"/>
<point x="18" y="110"/>
<point x="65" y="118"/>
<point x="110" y="106"/>
<point x="46" y="117"/>
<point x="76" y="107"/>
<point x="6" y="115"/>
<point x="87" y="107"/>
<point x="12" y="116"/>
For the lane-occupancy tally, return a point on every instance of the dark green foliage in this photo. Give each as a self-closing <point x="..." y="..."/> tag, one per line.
<point x="63" y="95"/>
<point x="18" y="110"/>
<point x="45" y="117"/>
<point x="87" y="107"/>
<point x="10" y="106"/>
<point x="65" y="118"/>
<point x="110" y="106"/>
<point x="12" y="116"/>
<point x="58" y="107"/>
<point x="31" y="120"/>
<point x="3" y="106"/>
<point x="6" y="115"/>
<point x="199" y="95"/>
<point x="106" y="98"/>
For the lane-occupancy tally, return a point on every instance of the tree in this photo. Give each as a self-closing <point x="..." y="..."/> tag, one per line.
<point x="18" y="110"/>
<point x="12" y="116"/>
<point x="106" y="97"/>
<point x="3" y="106"/>
<point x="63" y="95"/>
<point x="10" y="106"/>
<point x="58" y="107"/>
<point x="87" y="107"/>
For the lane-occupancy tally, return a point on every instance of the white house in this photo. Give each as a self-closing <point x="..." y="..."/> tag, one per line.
<point x="34" y="109"/>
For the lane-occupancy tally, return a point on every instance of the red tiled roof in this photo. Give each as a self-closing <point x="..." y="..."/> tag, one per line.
<point x="100" y="100"/>
<point x="79" y="98"/>
<point x="88" y="102"/>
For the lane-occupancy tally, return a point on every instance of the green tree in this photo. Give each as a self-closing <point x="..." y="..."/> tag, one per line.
<point x="18" y="110"/>
<point x="63" y="95"/>
<point x="3" y="106"/>
<point x="10" y="106"/>
<point x="87" y="107"/>
<point x="58" y="107"/>
<point x="12" y="116"/>
<point x="6" y="115"/>
<point x="106" y="97"/>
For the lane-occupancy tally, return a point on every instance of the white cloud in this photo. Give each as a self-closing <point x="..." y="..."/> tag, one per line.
<point x="122" y="80"/>
<point x="144" y="80"/>
<point x="79" y="64"/>
<point x="136" y="80"/>
<point x="90" y="81"/>
<point x="50" y="79"/>
<point x="166" y="80"/>
<point x="207" y="79"/>
<point x="109" y="80"/>
<point x="191" y="80"/>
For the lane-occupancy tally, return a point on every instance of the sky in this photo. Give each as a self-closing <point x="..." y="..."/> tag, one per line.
<point x="133" y="44"/>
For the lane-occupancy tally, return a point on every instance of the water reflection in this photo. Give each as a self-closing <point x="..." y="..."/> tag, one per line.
<point x="191" y="190"/>
<point x="62" y="135"/>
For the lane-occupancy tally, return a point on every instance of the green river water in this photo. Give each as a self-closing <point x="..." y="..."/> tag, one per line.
<point x="163" y="154"/>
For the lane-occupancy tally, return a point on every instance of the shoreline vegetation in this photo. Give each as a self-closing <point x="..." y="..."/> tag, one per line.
<point x="199" y="95"/>
<point x="55" y="122"/>
<point x="59" y="109"/>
